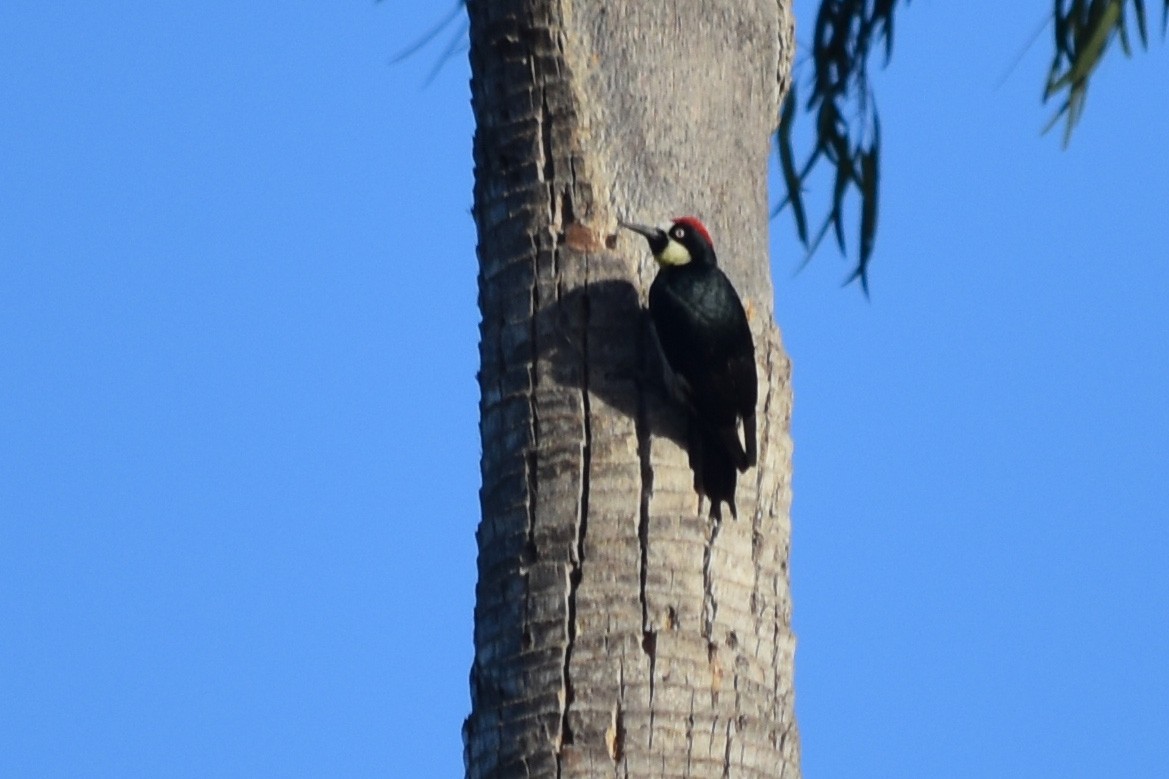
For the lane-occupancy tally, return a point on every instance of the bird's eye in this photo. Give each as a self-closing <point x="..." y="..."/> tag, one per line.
<point x="679" y="233"/>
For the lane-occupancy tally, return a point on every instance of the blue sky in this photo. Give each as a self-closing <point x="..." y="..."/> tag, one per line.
<point x="239" y="415"/>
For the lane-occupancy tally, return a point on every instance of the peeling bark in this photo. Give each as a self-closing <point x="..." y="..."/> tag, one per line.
<point x="618" y="631"/>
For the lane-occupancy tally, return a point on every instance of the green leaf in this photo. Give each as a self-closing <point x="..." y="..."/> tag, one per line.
<point x="1122" y="33"/>
<point x="1082" y="35"/>
<point x="1103" y="26"/>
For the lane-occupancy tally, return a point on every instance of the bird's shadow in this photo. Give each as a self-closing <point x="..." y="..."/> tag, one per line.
<point x="601" y="340"/>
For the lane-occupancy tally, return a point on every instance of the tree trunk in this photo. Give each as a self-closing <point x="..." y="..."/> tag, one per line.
<point x="618" y="630"/>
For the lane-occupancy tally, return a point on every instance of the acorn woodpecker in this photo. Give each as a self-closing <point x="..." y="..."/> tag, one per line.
<point x="704" y="337"/>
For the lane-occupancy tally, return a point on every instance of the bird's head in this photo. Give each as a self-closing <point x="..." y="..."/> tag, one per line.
<point x="687" y="240"/>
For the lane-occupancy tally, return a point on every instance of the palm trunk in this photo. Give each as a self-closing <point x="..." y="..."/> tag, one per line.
<point x="618" y="631"/>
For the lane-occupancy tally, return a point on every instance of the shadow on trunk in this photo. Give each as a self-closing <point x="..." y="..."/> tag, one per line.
<point x="603" y="329"/>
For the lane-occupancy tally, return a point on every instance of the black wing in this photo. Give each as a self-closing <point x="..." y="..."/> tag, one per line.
<point x="705" y="338"/>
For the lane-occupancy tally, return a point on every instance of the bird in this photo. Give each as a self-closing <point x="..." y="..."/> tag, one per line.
<point x="705" y="340"/>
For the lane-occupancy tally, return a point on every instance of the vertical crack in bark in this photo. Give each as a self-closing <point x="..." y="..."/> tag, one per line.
<point x="548" y="168"/>
<point x="576" y="562"/>
<point x="649" y="644"/>
<point x="738" y="696"/>
<point x="690" y="734"/>
<point x="648" y="636"/>
<point x="534" y="375"/>
<point x="615" y="736"/>
<point x="727" y="752"/>
<point x="709" y="604"/>
<point x="586" y="454"/>
<point x="641" y="426"/>
<point x="532" y="460"/>
<point x="560" y="214"/>
<point x="642" y="431"/>
<point x="777" y="700"/>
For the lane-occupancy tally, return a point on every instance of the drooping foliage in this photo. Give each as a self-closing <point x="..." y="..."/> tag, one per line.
<point x="837" y="98"/>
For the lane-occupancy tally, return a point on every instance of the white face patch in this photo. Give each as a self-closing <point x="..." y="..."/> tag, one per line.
<point x="674" y="254"/>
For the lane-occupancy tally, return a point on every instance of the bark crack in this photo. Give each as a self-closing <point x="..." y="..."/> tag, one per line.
<point x="777" y="702"/>
<point x="532" y="460"/>
<point x="727" y="752"/>
<point x="709" y="603"/>
<point x="690" y="734"/>
<point x="641" y="427"/>
<point x="576" y="562"/>
<point x="560" y="212"/>
<point x="649" y="644"/>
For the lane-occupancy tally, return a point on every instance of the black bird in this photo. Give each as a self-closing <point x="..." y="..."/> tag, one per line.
<point x="704" y="337"/>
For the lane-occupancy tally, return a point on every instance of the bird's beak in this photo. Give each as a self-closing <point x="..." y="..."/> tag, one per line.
<point x="648" y="232"/>
<point x="656" y="236"/>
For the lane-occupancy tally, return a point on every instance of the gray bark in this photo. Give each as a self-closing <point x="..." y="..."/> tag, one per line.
<point x="618" y="630"/>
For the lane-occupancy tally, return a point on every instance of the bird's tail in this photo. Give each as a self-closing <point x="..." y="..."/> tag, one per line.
<point x="719" y="457"/>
